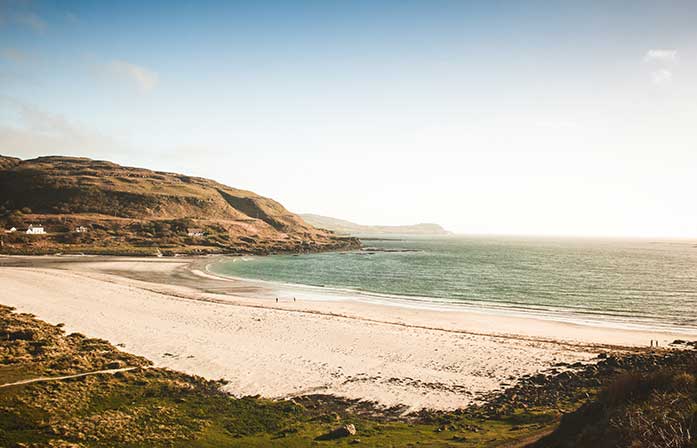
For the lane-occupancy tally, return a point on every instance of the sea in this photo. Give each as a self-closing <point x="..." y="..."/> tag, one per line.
<point x="627" y="283"/>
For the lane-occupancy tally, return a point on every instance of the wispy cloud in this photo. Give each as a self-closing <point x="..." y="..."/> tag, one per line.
<point x="143" y="78"/>
<point x="663" y="61"/>
<point x="661" y="55"/>
<point x="31" y="20"/>
<point x="32" y="131"/>
<point x="20" y="12"/>
<point x="661" y="76"/>
<point x="13" y="55"/>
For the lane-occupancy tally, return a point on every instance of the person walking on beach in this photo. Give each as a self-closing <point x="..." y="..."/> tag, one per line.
<point x="276" y="299"/>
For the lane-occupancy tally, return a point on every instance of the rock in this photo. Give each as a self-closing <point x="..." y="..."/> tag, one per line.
<point x="602" y="355"/>
<point x="539" y="378"/>
<point x="18" y="335"/>
<point x="565" y="376"/>
<point x="114" y="365"/>
<point x="340" y="432"/>
<point x="612" y="362"/>
<point x="679" y="342"/>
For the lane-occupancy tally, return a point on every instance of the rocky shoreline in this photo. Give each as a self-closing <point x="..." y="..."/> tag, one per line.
<point x="50" y="245"/>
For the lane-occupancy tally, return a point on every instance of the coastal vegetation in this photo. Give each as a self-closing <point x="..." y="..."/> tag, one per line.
<point x="69" y="390"/>
<point x="653" y="409"/>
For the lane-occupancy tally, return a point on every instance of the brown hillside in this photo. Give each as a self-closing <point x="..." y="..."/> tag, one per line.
<point x="8" y="162"/>
<point x="61" y="192"/>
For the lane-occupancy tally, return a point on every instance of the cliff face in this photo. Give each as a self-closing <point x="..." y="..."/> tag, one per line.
<point x="135" y="202"/>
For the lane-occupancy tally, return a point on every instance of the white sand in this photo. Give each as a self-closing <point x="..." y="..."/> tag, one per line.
<point x="392" y="355"/>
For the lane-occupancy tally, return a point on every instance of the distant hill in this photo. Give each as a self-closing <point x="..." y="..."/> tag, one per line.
<point x="341" y="226"/>
<point x="133" y="209"/>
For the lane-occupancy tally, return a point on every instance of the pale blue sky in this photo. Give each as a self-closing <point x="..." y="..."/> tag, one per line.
<point x="523" y="117"/>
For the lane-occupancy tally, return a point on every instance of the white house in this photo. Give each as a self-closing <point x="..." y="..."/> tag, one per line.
<point x="35" y="230"/>
<point x="81" y="229"/>
<point x="194" y="232"/>
<point x="11" y="230"/>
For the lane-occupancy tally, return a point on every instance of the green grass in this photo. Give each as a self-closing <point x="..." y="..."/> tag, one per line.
<point x="205" y="418"/>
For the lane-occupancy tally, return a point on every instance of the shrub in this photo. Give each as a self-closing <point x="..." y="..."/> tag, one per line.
<point x="684" y="382"/>
<point x="16" y="219"/>
<point x="664" y="420"/>
<point x="632" y="386"/>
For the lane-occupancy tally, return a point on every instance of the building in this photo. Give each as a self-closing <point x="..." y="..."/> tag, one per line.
<point x="81" y="229"/>
<point x="11" y="230"/>
<point x="35" y="230"/>
<point x="195" y="232"/>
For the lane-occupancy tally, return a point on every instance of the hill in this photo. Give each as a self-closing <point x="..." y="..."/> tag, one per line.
<point x="133" y="210"/>
<point x="651" y="407"/>
<point x="349" y="228"/>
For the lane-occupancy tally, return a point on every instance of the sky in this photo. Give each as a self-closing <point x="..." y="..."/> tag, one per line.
<point x="487" y="117"/>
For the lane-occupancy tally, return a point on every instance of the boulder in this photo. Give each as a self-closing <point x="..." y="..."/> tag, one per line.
<point x="340" y="432"/>
<point x="539" y="378"/>
<point x="18" y="335"/>
<point x="114" y="365"/>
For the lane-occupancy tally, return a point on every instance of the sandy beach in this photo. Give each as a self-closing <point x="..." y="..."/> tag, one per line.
<point x="179" y="316"/>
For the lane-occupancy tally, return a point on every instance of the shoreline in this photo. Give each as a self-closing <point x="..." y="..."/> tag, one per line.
<point x="164" y="310"/>
<point x="559" y="315"/>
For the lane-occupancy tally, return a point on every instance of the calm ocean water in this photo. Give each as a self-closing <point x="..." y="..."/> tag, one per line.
<point x="650" y="283"/>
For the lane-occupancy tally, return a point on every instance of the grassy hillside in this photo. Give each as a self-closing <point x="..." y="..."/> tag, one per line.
<point x="133" y="209"/>
<point x="654" y="409"/>
<point x="349" y="228"/>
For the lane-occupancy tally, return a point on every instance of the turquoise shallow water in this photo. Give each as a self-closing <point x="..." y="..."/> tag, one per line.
<point x="647" y="282"/>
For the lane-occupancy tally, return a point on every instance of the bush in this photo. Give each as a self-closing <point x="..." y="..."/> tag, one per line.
<point x="633" y="386"/>
<point x="664" y="420"/>
<point x="649" y="410"/>
<point x="181" y="225"/>
<point x="15" y="219"/>
<point x="684" y="382"/>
